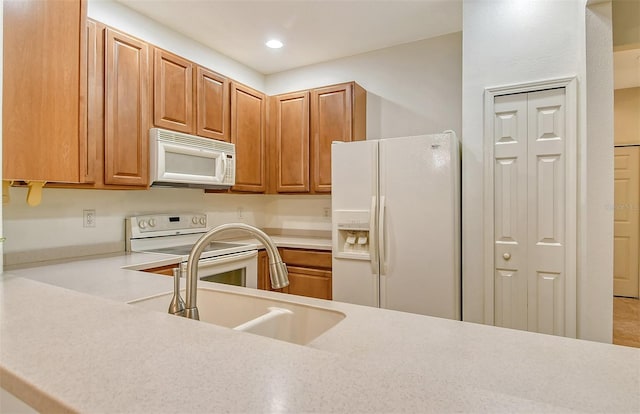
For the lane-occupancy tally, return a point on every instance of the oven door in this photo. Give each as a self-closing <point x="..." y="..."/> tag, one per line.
<point x="240" y="269"/>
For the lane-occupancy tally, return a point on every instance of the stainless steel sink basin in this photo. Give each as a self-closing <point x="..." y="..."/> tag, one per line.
<point x="277" y="319"/>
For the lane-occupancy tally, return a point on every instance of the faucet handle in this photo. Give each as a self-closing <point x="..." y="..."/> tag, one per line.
<point x="176" y="307"/>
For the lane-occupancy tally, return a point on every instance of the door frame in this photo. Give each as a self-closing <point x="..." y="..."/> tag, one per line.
<point x="569" y="84"/>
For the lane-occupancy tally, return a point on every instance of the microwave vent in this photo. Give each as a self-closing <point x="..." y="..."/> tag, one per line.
<point x="191" y="140"/>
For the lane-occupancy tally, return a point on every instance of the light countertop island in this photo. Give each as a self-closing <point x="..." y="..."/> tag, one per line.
<point x="70" y="342"/>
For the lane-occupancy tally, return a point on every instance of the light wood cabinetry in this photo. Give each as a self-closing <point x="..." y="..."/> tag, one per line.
<point x="289" y="142"/>
<point x="313" y="283"/>
<point x="303" y="126"/>
<point x="212" y="104"/>
<point x="44" y="130"/>
<point x="126" y="103"/>
<point x="309" y="272"/>
<point x="79" y="102"/>
<point x="189" y="98"/>
<point x="162" y="270"/>
<point x="248" y="133"/>
<point x="172" y="92"/>
<point x="338" y="113"/>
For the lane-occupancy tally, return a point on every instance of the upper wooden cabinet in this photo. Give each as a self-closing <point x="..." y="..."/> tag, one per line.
<point x="126" y="109"/>
<point x="212" y="104"/>
<point x="338" y="113"/>
<point x="302" y="127"/>
<point x="248" y="133"/>
<point x="172" y="92"/>
<point x="289" y="142"/>
<point x="189" y="98"/>
<point x="44" y="131"/>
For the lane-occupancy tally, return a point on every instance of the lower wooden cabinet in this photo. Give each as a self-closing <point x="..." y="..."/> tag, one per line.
<point x="309" y="272"/>
<point x="162" y="270"/>
<point x="314" y="283"/>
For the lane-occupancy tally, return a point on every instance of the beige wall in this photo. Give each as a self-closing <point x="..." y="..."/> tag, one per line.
<point x="626" y="22"/>
<point x="626" y="116"/>
<point x="543" y="40"/>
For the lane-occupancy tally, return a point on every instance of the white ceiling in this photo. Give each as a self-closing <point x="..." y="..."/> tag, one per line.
<point x="312" y="31"/>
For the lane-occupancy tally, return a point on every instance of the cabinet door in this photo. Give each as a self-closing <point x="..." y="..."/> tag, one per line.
<point x="44" y="113"/>
<point x="95" y="102"/>
<point x="289" y="116"/>
<point x="338" y="113"/>
<point x="126" y="107"/>
<point x="172" y="92"/>
<point x="212" y="105"/>
<point x="309" y="282"/>
<point x="248" y="129"/>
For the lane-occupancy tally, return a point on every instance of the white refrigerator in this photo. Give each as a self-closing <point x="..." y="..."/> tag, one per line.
<point x="396" y="224"/>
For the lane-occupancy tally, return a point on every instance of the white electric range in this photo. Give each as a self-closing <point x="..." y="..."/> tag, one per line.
<point x="167" y="233"/>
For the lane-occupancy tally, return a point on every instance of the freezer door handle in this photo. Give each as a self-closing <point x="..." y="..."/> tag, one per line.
<point x="381" y="238"/>
<point x="373" y="254"/>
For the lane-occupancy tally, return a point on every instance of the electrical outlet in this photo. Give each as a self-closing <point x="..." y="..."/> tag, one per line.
<point x="240" y="212"/>
<point x="89" y="218"/>
<point x="326" y="212"/>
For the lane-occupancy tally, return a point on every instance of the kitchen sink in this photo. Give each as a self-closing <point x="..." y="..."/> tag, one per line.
<point x="277" y="319"/>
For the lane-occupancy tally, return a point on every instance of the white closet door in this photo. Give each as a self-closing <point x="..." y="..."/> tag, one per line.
<point x="626" y="221"/>
<point x="529" y="211"/>
<point x="510" y="209"/>
<point x="546" y="214"/>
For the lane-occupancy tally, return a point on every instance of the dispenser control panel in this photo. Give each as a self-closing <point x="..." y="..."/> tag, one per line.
<point x="352" y="234"/>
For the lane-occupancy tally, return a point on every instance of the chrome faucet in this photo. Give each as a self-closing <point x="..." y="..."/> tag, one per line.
<point x="277" y="269"/>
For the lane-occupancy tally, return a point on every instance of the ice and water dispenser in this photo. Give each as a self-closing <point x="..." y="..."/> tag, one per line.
<point x="352" y="229"/>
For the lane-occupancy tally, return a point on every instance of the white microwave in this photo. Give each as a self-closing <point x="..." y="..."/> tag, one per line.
<point x="182" y="160"/>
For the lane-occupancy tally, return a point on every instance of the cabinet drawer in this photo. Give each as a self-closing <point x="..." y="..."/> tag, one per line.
<point x="306" y="258"/>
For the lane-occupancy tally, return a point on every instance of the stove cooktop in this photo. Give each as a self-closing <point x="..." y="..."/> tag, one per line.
<point x="184" y="250"/>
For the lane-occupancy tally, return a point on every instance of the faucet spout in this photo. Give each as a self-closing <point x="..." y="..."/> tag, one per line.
<point x="277" y="269"/>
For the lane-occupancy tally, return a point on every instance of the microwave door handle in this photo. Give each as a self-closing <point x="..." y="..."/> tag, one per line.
<point x="224" y="166"/>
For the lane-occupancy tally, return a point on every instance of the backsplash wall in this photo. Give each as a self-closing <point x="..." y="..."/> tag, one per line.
<point x="54" y="229"/>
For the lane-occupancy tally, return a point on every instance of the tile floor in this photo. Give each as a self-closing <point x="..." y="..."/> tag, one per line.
<point x="626" y="321"/>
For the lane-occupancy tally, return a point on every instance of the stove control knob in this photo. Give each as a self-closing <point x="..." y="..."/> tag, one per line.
<point x="203" y="220"/>
<point x="152" y="222"/>
<point x="194" y="220"/>
<point x="142" y="224"/>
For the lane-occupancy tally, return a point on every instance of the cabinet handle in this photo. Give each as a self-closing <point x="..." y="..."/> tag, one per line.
<point x="506" y="256"/>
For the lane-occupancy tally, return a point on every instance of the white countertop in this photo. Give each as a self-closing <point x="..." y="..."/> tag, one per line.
<point x="73" y="343"/>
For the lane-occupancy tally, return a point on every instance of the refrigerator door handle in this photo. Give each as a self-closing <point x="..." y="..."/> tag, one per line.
<point x="381" y="238"/>
<point x="373" y="238"/>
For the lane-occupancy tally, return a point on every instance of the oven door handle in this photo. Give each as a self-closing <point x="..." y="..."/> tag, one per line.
<point x="236" y="257"/>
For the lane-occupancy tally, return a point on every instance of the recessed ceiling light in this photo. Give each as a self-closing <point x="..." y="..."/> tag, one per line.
<point x="274" y="44"/>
